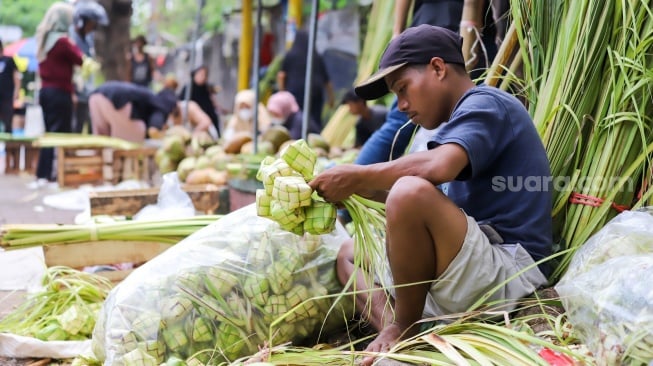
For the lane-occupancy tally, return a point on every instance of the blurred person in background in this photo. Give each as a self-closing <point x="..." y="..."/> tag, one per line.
<point x="9" y="90"/>
<point x="203" y="93"/>
<point x="57" y="55"/>
<point x="87" y="17"/>
<point x="284" y="111"/>
<point x="198" y="120"/>
<point x="242" y="119"/>
<point x="130" y="112"/>
<point x="370" y="119"/>
<point x="140" y="66"/>
<point x="292" y="77"/>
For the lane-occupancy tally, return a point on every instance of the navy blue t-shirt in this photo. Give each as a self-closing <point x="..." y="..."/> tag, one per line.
<point x="507" y="182"/>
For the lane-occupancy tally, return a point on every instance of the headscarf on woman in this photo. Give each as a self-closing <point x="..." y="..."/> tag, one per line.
<point x="284" y="110"/>
<point x="243" y="116"/>
<point x="55" y="24"/>
<point x="283" y="104"/>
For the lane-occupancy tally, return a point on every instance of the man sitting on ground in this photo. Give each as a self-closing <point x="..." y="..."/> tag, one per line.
<point x="442" y="257"/>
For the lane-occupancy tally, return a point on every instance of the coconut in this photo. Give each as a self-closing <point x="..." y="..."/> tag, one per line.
<point x="213" y="151"/>
<point x="174" y="147"/>
<point x="179" y="131"/>
<point x="202" y="162"/>
<point x="185" y="167"/>
<point x="234" y="144"/>
<point x="247" y="148"/>
<point x="277" y="135"/>
<point x="204" y="139"/>
<point x="315" y="140"/>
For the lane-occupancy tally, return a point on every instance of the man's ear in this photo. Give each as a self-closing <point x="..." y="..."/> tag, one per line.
<point x="437" y="64"/>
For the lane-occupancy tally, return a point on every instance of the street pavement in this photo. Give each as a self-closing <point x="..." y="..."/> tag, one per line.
<point x="22" y="205"/>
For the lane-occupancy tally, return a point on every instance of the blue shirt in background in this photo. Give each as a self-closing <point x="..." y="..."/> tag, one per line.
<point x="377" y="148"/>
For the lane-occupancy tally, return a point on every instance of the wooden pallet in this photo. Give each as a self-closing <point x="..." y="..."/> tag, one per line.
<point x="13" y="151"/>
<point x="133" y="164"/>
<point x="79" y="165"/>
<point x="207" y="198"/>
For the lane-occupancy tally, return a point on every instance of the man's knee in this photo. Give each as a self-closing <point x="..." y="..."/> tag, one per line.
<point x="410" y="193"/>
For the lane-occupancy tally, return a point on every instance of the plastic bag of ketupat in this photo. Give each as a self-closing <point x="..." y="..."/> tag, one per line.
<point x="607" y="290"/>
<point x="222" y="293"/>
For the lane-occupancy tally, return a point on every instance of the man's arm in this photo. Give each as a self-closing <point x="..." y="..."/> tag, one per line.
<point x="439" y="165"/>
<point x="401" y="15"/>
<point x="16" y="83"/>
<point x="71" y="51"/>
<point x="214" y="99"/>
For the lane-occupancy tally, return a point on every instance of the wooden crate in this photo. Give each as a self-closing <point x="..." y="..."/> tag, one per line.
<point x="135" y="164"/>
<point x="13" y="151"/>
<point x="207" y="198"/>
<point x="92" y="253"/>
<point x="79" y="165"/>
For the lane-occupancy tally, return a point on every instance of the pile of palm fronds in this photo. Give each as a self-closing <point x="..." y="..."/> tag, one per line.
<point x="587" y="80"/>
<point x="467" y="340"/>
<point x="169" y="231"/>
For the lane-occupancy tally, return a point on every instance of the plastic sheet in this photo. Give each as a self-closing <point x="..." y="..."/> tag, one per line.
<point x="607" y="291"/>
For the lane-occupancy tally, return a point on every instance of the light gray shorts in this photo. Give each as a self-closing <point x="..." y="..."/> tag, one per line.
<point x="479" y="267"/>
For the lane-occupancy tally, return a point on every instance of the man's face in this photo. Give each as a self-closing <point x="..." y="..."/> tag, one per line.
<point x="421" y="93"/>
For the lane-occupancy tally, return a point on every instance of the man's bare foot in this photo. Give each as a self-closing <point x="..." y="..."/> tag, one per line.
<point x="387" y="338"/>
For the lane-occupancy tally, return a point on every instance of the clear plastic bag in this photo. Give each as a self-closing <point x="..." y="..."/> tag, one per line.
<point x="172" y="202"/>
<point x="221" y="293"/>
<point x="607" y="291"/>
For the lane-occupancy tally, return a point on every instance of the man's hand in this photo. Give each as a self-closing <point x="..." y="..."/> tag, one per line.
<point x="337" y="183"/>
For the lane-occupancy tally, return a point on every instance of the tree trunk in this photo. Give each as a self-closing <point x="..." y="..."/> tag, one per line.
<point x="112" y="43"/>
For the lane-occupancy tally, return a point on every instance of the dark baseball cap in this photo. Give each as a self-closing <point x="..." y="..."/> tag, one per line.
<point x="414" y="46"/>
